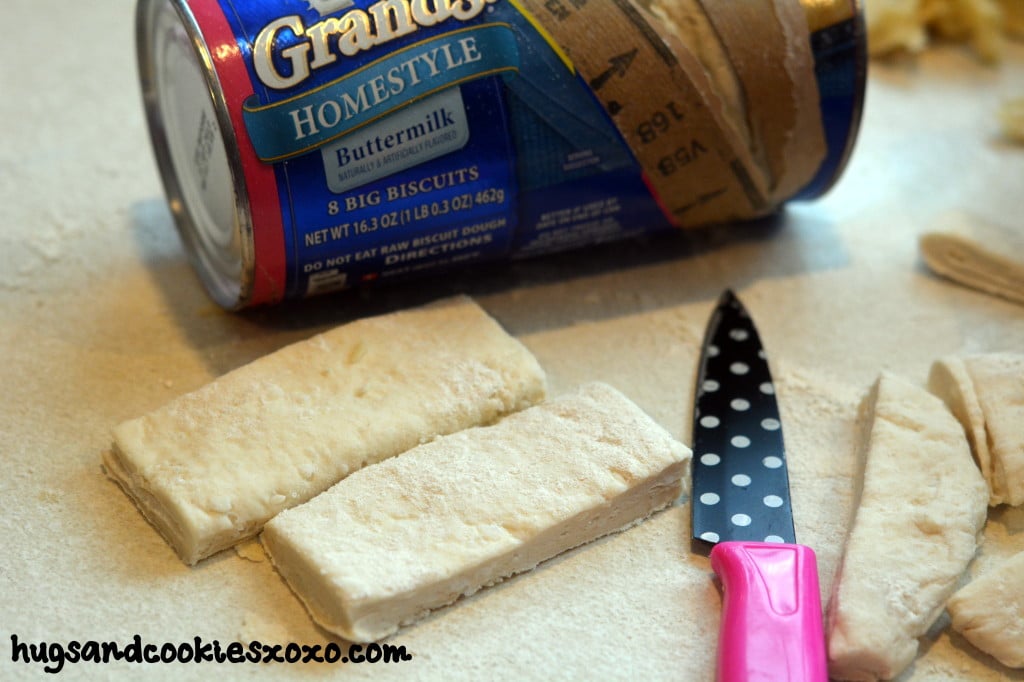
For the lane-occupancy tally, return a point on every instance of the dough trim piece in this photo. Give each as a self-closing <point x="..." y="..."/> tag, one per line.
<point x="1011" y="116"/>
<point x="414" y="533"/>
<point x="211" y="467"/>
<point x="950" y="381"/>
<point x="989" y="612"/>
<point x="908" y="25"/>
<point x="986" y="393"/>
<point x="921" y="514"/>
<point x="978" y="254"/>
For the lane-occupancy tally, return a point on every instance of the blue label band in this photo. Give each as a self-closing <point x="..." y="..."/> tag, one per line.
<point x="301" y="124"/>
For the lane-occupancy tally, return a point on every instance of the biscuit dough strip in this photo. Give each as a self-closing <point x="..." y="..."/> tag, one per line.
<point x="212" y="466"/>
<point x="396" y="540"/>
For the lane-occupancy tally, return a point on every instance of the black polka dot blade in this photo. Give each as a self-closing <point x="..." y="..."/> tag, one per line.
<point x="740" y="483"/>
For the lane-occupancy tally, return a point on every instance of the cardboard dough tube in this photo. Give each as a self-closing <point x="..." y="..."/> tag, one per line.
<point x="701" y="171"/>
<point x="805" y="147"/>
<point x="690" y="30"/>
<point x="756" y="45"/>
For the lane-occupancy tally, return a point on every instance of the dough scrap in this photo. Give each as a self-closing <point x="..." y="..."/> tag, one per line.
<point x="920" y="518"/>
<point x="908" y="25"/>
<point x="950" y="381"/>
<point x="978" y="254"/>
<point x="1011" y="118"/>
<point x="415" y="532"/>
<point x="999" y="383"/>
<point x="986" y="393"/>
<point x="211" y="467"/>
<point x="989" y="612"/>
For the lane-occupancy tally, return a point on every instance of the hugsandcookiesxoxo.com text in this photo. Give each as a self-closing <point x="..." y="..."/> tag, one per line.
<point x="54" y="655"/>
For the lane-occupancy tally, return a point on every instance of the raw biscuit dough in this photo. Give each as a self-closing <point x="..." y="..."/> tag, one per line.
<point x="978" y="254"/>
<point x="414" y="533"/>
<point x="918" y="524"/>
<point x="211" y="467"/>
<point x="989" y="612"/>
<point x="906" y="25"/>
<point x="986" y="393"/>
<point x="1011" y="118"/>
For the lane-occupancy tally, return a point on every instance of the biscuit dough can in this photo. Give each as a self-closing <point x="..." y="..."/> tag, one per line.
<point x="307" y="146"/>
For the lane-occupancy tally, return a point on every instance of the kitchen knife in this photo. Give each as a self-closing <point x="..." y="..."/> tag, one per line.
<point x="771" y="621"/>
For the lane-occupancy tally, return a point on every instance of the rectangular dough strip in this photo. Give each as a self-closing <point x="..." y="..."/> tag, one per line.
<point x="414" y="533"/>
<point x="211" y="467"/>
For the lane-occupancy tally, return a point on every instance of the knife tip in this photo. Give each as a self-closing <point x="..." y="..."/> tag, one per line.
<point x="728" y="297"/>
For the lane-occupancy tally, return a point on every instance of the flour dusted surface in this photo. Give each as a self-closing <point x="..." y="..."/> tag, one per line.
<point x="101" y="319"/>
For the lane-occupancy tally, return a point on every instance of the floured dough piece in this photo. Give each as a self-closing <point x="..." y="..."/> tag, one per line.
<point x="986" y="393"/>
<point x="999" y="384"/>
<point x="950" y="381"/>
<point x="411" y="534"/>
<point x="894" y="25"/>
<point x="211" y="467"/>
<point x="989" y="612"/>
<point x="905" y="25"/>
<point x="1011" y="117"/>
<point x="976" y="22"/>
<point x="922" y="509"/>
<point x="977" y="254"/>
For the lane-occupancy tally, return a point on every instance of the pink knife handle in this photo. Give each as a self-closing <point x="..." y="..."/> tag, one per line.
<point x="771" y="613"/>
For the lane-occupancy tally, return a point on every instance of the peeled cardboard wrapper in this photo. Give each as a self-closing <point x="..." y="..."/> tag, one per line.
<point x="718" y="100"/>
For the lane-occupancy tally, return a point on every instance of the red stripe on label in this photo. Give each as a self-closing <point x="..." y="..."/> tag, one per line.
<point x="269" y="271"/>
<point x="657" y="200"/>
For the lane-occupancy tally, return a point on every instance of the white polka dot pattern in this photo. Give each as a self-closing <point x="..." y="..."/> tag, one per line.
<point x="742" y="520"/>
<point x="740" y="483"/>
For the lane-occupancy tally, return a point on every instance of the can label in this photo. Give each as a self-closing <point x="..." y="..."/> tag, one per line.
<point x="410" y="135"/>
<point x="376" y="139"/>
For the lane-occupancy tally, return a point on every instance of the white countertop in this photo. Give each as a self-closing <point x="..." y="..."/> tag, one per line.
<point x="102" y="319"/>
